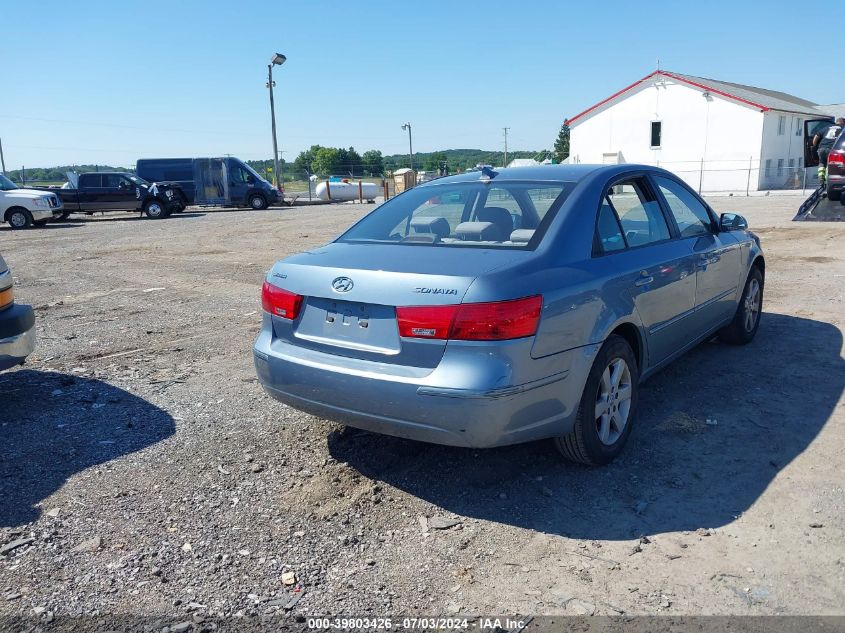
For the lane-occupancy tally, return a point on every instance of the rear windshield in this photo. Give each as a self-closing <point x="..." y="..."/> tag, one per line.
<point x="497" y="215"/>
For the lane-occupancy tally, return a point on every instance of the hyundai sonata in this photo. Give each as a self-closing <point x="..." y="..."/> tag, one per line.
<point x="491" y="308"/>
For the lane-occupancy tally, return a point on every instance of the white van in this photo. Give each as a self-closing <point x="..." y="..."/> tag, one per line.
<point x="22" y="208"/>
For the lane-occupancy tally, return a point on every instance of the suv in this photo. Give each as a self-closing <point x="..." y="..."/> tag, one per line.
<point x="17" y="323"/>
<point x="836" y="169"/>
<point x="22" y="208"/>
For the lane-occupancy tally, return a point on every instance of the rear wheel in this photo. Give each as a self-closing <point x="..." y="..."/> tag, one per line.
<point x="608" y="405"/>
<point x="833" y="194"/>
<point x="19" y="218"/>
<point x="257" y="202"/>
<point x="154" y="209"/>
<point x="747" y="318"/>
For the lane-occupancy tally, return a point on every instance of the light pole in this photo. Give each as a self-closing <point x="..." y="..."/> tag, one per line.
<point x="407" y="126"/>
<point x="277" y="60"/>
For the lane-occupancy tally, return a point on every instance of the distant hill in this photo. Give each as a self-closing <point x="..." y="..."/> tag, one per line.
<point x="57" y="174"/>
<point x="458" y="159"/>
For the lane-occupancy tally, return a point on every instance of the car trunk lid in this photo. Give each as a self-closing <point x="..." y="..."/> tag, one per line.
<point x="351" y="292"/>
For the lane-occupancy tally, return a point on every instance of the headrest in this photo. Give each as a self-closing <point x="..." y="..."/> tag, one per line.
<point x="522" y="236"/>
<point x="438" y="226"/>
<point x="477" y="231"/>
<point x="496" y="215"/>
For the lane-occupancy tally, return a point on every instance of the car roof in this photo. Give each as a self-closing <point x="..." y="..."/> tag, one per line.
<point x="570" y="173"/>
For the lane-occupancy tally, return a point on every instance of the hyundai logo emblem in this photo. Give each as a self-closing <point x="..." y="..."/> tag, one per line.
<point x="342" y="284"/>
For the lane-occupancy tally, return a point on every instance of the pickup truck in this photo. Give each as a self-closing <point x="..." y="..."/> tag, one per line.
<point x="22" y="208"/>
<point x="17" y="323"/>
<point x="119" y="191"/>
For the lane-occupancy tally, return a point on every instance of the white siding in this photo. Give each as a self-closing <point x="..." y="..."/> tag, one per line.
<point x="724" y="133"/>
<point x="782" y="147"/>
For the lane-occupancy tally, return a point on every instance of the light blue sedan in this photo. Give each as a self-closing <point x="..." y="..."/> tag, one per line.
<point x="494" y="308"/>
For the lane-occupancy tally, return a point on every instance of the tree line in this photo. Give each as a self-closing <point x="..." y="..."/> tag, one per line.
<point x="328" y="161"/>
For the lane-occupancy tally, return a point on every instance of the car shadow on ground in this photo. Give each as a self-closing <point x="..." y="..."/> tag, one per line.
<point x="56" y="425"/>
<point x="765" y="402"/>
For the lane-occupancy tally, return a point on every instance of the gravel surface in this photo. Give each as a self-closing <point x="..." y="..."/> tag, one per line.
<point x="143" y="471"/>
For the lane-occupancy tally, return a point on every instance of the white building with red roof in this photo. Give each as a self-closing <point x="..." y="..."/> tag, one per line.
<point x="718" y="136"/>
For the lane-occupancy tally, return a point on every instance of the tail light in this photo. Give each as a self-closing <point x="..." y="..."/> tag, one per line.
<point x="7" y="296"/>
<point x="497" y="321"/>
<point x="279" y="302"/>
<point x="836" y="158"/>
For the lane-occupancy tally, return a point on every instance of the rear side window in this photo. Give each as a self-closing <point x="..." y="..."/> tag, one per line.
<point x="689" y="212"/>
<point x="609" y="232"/>
<point x="91" y="180"/>
<point x="638" y="212"/>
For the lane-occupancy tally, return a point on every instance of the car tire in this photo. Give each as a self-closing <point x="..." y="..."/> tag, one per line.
<point x="257" y="202"/>
<point x="597" y="438"/>
<point x="19" y="218"/>
<point x="155" y="209"/>
<point x="833" y="194"/>
<point x="747" y="318"/>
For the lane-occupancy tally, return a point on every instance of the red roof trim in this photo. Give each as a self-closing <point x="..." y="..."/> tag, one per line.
<point x="676" y="78"/>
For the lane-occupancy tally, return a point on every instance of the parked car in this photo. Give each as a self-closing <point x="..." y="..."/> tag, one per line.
<point x="435" y="318"/>
<point x="23" y="208"/>
<point x="212" y="181"/>
<point x="836" y="169"/>
<point x="17" y="323"/>
<point x="119" y="191"/>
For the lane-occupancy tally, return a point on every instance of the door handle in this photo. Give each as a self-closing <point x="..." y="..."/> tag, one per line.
<point x="644" y="281"/>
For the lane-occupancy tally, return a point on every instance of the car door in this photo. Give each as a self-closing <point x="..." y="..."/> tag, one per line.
<point x="717" y="255"/>
<point x="650" y="265"/>
<point x="240" y="183"/>
<point x="119" y="193"/>
<point x="812" y="128"/>
<point x="91" y="192"/>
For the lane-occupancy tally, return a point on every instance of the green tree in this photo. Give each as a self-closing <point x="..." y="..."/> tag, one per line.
<point x="434" y="161"/>
<point x="326" y="161"/>
<point x="305" y="161"/>
<point x="373" y="162"/>
<point x="561" y="149"/>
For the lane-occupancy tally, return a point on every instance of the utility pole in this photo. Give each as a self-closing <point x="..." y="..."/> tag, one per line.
<point x="505" y="130"/>
<point x="407" y="126"/>
<point x="277" y="60"/>
<point x="2" y="160"/>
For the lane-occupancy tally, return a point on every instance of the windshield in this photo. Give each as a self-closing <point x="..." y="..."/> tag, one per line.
<point x="6" y="184"/>
<point x="498" y="215"/>
<point x="138" y="181"/>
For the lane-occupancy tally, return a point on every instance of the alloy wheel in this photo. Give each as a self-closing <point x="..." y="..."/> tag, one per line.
<point x="613" y="401"/>
<point x="752" y="305"/>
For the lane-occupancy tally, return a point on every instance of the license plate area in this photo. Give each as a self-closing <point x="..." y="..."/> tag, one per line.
<point x="362" y="326"/>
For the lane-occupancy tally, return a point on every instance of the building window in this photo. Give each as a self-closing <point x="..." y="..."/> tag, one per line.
<point x="780" y="167"/>
<point x="768" y="171"/>
<point x="656" y="133"/>
<point x="781" y="125"/>
<point x="799" y="127"/>
<point x="791" y="163"/>
<point x="800" y="162"/>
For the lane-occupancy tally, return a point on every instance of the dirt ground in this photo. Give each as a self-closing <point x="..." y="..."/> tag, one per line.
<point x="153" y="475"/>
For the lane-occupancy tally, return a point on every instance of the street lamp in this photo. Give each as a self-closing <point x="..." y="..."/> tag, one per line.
<point x="277" y="60"/>
<point x="407" y="126"/>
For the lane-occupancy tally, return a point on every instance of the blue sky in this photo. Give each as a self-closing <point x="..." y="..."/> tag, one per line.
<point x="108" y="83"/>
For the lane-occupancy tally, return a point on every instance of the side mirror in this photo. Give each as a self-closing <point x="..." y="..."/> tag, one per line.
<point x="250" y="180"/>
<point x="732" y="222"/>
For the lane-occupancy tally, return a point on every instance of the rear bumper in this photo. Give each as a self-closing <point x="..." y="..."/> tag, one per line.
<point x="468" y="400"/>
<point x="17" y="335"/>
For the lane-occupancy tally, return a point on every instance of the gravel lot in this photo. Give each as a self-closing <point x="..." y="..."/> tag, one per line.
<point x="143" y="471"/>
